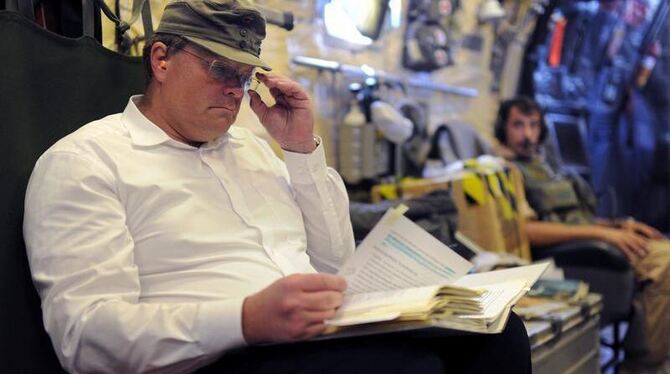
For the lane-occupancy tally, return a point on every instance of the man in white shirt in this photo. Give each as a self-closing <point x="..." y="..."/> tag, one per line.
<point x="162" y="238"/>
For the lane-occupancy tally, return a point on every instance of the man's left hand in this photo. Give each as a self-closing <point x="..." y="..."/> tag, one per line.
<point x="291" y="120"/>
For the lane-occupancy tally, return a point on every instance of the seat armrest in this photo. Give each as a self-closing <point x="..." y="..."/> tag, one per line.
<point x="587" y="253"/>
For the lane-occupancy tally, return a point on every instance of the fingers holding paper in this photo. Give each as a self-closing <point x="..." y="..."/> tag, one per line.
<point x="292" y="308"/>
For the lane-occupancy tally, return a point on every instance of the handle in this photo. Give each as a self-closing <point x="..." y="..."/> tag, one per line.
<point x="88" y="10"/>
<point x="276" y="17"/>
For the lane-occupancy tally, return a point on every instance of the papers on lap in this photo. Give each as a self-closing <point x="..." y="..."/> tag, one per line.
<point x="402" y="278"/>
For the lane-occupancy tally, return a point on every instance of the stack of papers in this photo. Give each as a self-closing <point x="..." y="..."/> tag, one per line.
<point x="400" y="278"/>
<point x="563" y="290"/>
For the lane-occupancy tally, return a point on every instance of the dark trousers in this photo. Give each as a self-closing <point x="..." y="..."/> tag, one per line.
<point x="507" y="352"/>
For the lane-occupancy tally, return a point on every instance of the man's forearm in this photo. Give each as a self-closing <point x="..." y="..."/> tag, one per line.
<point x="323" y="200"/>
<point x="549" y="233"/>
<point x="615" y="223"/>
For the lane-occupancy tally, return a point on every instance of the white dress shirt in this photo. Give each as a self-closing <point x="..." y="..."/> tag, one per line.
<point x="143" y="248"/>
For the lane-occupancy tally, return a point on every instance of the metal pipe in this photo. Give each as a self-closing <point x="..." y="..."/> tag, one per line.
<point x="366" y="71"/>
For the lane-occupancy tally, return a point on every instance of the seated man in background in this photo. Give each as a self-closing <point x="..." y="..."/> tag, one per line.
<point x="562" y="211"/>
<point x="165" y="239"/>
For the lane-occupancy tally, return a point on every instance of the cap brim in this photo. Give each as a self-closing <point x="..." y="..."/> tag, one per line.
<point x="230" y="52"/>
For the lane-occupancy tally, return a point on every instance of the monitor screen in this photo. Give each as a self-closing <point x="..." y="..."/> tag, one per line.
<point x="368" y="15"/>
<point x="568" y="135"/>
<point x="570" y="143"/>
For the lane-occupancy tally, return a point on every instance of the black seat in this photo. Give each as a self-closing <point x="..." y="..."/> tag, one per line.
<point x="49" y="86"/>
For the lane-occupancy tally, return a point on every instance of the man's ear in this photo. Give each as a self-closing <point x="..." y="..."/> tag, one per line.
<point x="159" y="60"/>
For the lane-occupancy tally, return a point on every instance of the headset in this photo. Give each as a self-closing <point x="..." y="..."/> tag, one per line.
<point x="527" y="106"/>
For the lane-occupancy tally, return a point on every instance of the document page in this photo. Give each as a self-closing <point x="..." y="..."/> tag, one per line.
<point x="498" y="297"/>
<point x="399" y="254"/>
<point x="528" y="273"/>
<point x="384" y="305"/>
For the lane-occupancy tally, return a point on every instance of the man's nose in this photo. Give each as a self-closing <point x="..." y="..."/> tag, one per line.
<point x="527" y="131"/>
<point x="236" y="92"/>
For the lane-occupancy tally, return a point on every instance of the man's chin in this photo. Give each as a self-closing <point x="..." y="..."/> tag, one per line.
<point x="523" y="153"/>
<point x="221" y="116"/>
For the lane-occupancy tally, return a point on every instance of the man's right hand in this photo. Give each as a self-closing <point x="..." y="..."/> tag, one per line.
<point x="292" y="308"/>
<point x="641" y="229"/>
<point x="633" y="245"/>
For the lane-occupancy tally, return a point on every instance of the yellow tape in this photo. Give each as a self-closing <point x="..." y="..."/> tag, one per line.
<point x="396" y="213"/>
<point x="509" y="206"/>
<point x="473" y="187"/>
<point x="506" y="207"/>
<point x="507" y="183"/>
<point x="471" y="163"/>
<point x="389" y="191"/>
<point x="494" y="184"/>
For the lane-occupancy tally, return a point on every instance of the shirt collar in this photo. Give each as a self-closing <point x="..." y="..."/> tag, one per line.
<point x="143" y="132"/>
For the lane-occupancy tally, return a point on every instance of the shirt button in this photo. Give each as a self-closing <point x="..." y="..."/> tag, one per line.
<point x="243" y="32"/>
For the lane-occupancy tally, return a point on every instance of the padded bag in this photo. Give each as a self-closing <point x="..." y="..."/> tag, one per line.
<point x="49" y="86"/>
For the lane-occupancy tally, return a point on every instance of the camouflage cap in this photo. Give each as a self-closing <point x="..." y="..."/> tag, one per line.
<point x="233" y="29"/>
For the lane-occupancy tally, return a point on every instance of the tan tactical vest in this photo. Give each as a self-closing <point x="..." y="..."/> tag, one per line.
<point x="556" y="197"/>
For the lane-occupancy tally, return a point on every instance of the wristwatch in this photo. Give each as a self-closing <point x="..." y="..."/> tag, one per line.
<point x="621" y="223"/>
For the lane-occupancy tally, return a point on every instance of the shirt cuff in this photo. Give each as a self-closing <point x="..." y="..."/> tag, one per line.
<point x="306" y="168"/>
<point x="219" y="324"/>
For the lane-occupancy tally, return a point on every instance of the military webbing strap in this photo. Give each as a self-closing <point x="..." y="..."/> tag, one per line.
<point x="140" y="7"/>
<point x="89" y="9"/>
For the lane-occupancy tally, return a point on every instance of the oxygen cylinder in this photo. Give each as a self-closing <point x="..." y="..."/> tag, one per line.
<point x="352" y="144"/>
